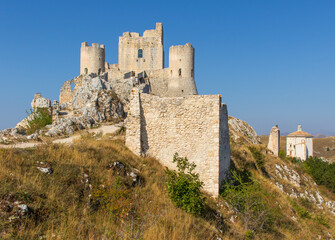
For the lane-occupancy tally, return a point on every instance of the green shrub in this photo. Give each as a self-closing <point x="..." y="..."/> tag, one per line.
<point x="322" y="172"/>
<point x="184" y="186"/>
<point x="40" y="117"/>
<point x="249" y="201"/>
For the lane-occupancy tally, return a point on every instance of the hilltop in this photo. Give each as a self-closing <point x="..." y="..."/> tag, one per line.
<point x="90" y="189"/>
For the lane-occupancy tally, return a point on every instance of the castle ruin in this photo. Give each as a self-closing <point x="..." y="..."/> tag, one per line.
<point x="165" y="114"/>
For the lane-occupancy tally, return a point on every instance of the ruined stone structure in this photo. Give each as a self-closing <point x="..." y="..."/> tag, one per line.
<point x="274" y="140"/>
<point x="195" y="127"/>
<point x="141" y="60"/>
<point x="299" y="144"/>
<point x="40" y="102"/>
<point x="165" y="113"/>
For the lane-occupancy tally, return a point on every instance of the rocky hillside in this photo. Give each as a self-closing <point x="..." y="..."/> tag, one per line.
<point x="97" y="189"/>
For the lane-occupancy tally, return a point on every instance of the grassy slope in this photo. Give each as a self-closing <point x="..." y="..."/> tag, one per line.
<point x="60" y="201"/>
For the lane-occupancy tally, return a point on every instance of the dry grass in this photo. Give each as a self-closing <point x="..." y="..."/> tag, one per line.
<point x="60" y="201"/>
<point x="62" y="208"/>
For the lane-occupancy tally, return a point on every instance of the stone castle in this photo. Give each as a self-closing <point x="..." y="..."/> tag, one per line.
<point x="142" y="57"/>
<point x="165" y="114"/>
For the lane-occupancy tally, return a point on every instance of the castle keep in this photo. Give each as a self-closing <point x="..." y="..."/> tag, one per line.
<point x="165" y="114"/>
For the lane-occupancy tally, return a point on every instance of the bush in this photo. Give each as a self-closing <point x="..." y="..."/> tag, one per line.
<point x="322" y="172"/>
<point x="249" y="201"/>
<point x="184" y="186"/>
<point x="38" y="119"/>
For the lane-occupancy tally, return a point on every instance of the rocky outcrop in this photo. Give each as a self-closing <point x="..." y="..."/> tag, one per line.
<point x="241" y="131"/>
<point x="40" y="102"/>
<point x="93" y="102"/>
<point x="12" y="134"/>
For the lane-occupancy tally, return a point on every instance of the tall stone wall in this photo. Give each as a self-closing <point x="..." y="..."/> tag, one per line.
<point x="195" y="127"/>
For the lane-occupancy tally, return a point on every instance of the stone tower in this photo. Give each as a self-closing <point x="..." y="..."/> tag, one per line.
<point x="145" y="53"/>
<point x="181" y="71"/>
<point x="92" y="58"/>
<point x="274" y="140"/>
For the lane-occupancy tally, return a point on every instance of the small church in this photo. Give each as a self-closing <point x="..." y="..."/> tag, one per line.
<point x="299" y="144"/>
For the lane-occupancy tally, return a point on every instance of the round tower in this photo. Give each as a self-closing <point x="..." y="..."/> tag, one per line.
<point x="92" y="58"/>
<point x="181" y="71"/>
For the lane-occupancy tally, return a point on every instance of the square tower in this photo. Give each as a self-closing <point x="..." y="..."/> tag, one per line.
<point x="138" y="53"/>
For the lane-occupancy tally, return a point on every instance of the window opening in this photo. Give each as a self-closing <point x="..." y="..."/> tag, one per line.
<point x="140" y="53"/>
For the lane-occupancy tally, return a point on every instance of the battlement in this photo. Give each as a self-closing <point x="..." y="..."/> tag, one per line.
<point x="187" y="45"/>
<point x="95" y="45"/>
<point x="92" y="58"/>
<point x="135" y="53"/>
<point x="158" y="32"/>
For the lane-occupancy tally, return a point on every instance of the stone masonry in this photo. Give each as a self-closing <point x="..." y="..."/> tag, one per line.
<point x="274" y="140"/>
<point x="195" y="127"/>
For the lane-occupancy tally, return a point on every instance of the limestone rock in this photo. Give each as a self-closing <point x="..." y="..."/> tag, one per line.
<point x="242" y="131"/>
<point x="12" y="134"/>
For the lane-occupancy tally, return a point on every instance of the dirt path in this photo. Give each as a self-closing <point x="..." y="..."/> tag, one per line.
<point x="105" y="129"/>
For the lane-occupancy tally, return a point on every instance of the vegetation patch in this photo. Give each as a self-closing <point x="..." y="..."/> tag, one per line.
<point x="323" y="173"/>
<point x="184" y="186"/>
<point x="38" y="119"/>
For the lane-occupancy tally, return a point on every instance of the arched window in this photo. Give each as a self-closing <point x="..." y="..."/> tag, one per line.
<point x="140" y="53"/>
<point x="179" y="72"/>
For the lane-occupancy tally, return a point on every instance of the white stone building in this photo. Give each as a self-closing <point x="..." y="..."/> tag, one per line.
<point x="299" y="144"/>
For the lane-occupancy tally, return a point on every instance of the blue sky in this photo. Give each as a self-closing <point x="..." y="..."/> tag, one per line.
<point x="272" y="61"/>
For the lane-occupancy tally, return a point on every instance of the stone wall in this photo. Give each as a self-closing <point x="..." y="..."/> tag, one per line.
<point x="195" y="127"/>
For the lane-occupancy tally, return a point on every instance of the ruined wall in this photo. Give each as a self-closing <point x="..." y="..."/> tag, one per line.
<point x="40" y="102"/>
<point x="151" y="44"/>
<point x="194" y="126"/>
<point x="274" y="140"/>
<point x="92" y="58"/>
<point x="69" y="89"/>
